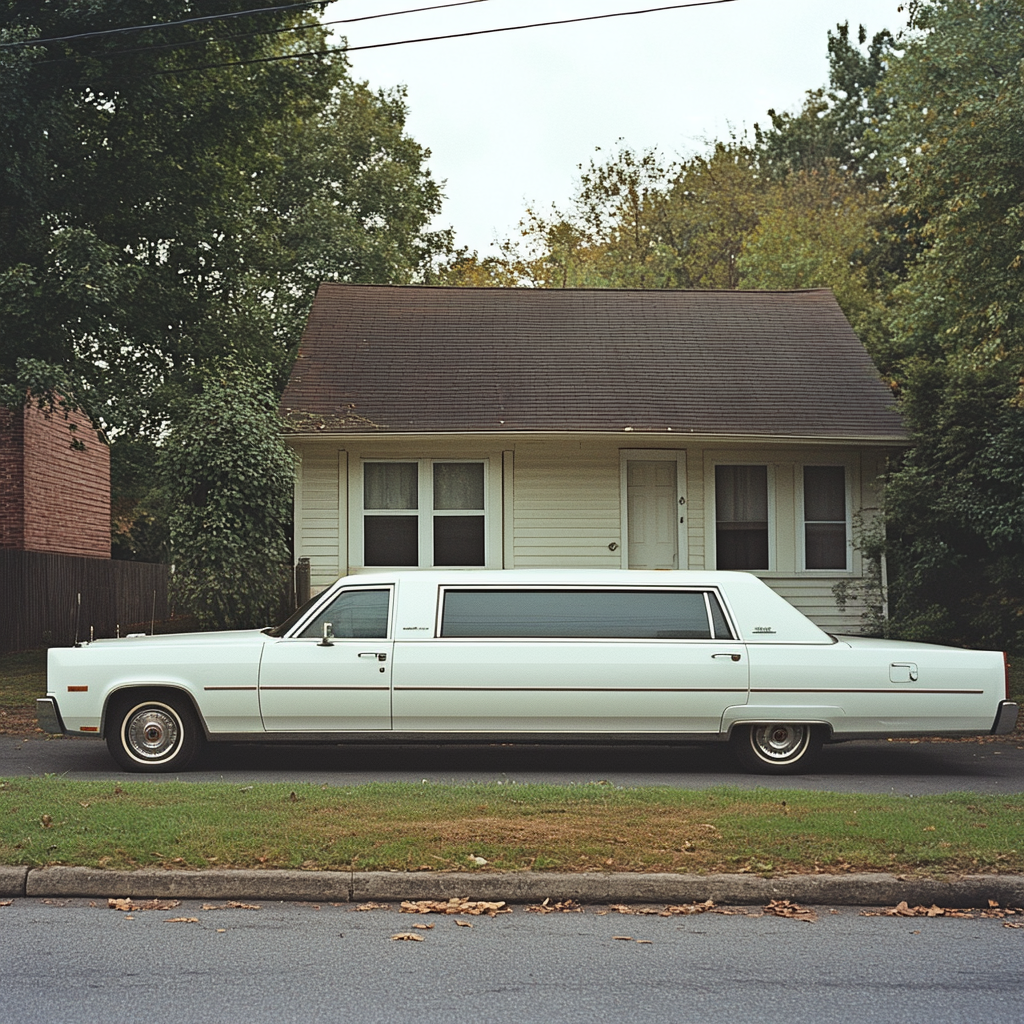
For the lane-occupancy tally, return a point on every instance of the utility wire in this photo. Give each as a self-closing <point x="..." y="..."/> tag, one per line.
<point x="202" y="40"/>
<point x="165" y="24"/>
<point x="452" y="35"/>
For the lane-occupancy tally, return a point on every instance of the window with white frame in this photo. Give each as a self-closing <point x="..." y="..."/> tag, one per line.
<point x="424" y="513"/>
<point x="741" y="517"/>
<point x="825" y="518"/>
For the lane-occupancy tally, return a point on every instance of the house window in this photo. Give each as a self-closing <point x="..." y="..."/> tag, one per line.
<point x="424" y="513"/>
<point x="825" y="525"/>
<point x="741" y="517"/>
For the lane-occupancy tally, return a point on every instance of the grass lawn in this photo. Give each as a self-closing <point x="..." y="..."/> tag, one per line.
<point x="410" y="827"/>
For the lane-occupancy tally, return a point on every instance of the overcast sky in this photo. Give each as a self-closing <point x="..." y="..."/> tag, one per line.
<point x="509" y="117"/>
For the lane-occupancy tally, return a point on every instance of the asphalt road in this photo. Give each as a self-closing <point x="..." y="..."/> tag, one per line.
<point x="305" y="963"/>
<point x="908" y="768"/>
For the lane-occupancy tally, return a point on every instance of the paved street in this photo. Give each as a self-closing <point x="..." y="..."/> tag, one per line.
<point x="306" y="963"/>
<point x="862" y="766"/>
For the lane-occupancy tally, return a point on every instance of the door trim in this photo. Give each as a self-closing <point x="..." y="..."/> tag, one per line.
<point x="676" y="455"/>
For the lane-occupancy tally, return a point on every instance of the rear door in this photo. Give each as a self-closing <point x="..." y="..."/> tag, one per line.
<point x="339" y="684"/>
<point x="572" y="661"/>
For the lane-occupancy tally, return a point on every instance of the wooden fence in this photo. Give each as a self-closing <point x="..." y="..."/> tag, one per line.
<point x="46" y="599"/>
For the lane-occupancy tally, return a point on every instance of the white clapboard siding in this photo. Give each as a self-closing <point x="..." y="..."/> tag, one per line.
<point x="814" y="597"/>
<point x="566" y="508"/>
<point x="318" y="516"/>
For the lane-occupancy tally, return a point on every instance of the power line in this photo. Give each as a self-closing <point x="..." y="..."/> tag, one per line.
<point x="452" y="35"/>
<point x="166" y="24"/>
<point x="201" y="41"/>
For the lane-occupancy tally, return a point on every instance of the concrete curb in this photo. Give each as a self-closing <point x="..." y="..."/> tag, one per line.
<point x="855" y="890"/>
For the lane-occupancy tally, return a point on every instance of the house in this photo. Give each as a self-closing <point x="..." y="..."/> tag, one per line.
<point x="53" y="498"/>
<point x="515" y="428"/>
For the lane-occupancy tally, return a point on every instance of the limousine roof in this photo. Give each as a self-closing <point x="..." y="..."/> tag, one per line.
<point x="385" y="359"/>
<point x="759" y="614"/>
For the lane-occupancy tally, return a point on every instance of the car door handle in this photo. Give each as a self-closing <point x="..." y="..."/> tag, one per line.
<point x="731" y="657"/>
<point x="373" y="654"/>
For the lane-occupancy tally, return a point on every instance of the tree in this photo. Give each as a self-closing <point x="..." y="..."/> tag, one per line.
<point x="817" y="229"/>
<point x="164" y="202"/>
<point x="956" y="347"/>
<point x="230" y="477"/>
<point x="838" y="123"/>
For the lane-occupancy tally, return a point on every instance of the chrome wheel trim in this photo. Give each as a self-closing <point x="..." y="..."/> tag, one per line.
<point x="151" y="733"/>
<point x="780" y="743"/>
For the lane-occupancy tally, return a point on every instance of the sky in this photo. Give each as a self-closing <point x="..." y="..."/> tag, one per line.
<point x="509" y="117"/>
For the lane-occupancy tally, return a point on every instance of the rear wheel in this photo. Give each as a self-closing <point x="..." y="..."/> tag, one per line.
<point x="152" y="734"/>
<point x="777" y="748"/>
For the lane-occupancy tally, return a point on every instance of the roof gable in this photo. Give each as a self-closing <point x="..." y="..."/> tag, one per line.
<point x="417" y="359"/>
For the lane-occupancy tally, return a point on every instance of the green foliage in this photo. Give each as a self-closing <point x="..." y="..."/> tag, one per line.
<point x="956" y="325"/>
<point x="817" y="229"/>
<point x="837" y="124"/>
<point x="230" y="477"/>
<point x="154" y="217"/>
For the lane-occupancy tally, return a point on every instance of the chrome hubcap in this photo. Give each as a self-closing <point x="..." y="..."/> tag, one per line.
<point x="780" y="742"/>
<point x="152" y="733"/>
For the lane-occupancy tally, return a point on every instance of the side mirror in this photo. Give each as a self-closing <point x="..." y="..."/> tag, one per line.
<point x="328" y="636"/>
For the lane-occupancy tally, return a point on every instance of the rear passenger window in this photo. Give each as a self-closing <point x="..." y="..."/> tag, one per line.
<point x="354" y="614"/>
<point x="587" y="614"/>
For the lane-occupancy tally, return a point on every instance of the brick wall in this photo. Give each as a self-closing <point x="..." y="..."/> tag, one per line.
<point x="12" y="480"/>
<point x="63" y="502"/>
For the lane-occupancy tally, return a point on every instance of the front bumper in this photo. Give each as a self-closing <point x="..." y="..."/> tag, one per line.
<point x="1006" y="718"/>
<point x="49" y="716"/>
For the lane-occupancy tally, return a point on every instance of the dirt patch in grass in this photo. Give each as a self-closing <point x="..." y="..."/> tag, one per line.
<point x="19" y="721"/>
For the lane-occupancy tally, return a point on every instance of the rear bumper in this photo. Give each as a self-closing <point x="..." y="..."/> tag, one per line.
<point x="49" y="715"/>
<point x="1006" y="718"/>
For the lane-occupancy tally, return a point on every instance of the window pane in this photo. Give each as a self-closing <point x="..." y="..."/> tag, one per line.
<point x="354" y="613"/>
<point x="390" y="540"/>
<point x="458" y="540"/>
<point x="722" y="630"/>
<point x="458" y="485"/>
<point x="644" y="615"/>
<point x="825" y="494"/>
<point x="741" y="517"/>
<point x="390" y="485"/>
<point x="825" y="545"/>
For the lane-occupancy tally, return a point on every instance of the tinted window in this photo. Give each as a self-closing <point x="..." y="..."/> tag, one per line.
<point x="626" y="614"/>
<point x="354" y="613"/>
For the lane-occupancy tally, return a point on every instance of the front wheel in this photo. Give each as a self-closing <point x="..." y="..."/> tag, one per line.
<point x="152" y="734"/>
<point x="776" y="748"/>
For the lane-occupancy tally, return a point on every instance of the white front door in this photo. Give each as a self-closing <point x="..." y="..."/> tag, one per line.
<point x="652" y="514"/>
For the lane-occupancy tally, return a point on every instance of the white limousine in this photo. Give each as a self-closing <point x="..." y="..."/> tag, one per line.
<point x="528" y="656"/>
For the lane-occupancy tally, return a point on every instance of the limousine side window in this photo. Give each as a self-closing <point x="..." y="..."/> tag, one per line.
<point x="353" y="614"/>
<point x="588" y="614"/>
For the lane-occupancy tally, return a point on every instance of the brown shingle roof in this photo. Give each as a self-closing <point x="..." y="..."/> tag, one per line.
<point x="493" y="359"/>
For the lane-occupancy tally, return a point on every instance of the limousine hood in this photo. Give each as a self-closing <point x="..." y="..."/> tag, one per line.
<point x="148" y="642"/>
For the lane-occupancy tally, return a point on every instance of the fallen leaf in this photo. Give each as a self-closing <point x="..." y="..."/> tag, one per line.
<point x="407" y="937"/>
<point x="130" y="904"/>
<point x="373" y="906"/>
<point x="463" y="924"/>
<point x="425" y="927"/>
<point x="6" y="903"/>
<point x="644" y="942"/>
<point x="456" y="905"/>
<point x="46" y="821"/>
<point x="784" y="908"/>
<point x="563" y="907"/>
<point x="181" y="920"/>
<point x="623" y="938"/>
<point x="230" y="905"/>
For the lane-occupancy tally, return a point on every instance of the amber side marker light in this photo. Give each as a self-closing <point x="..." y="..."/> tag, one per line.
<point x="89" y="728"/>
<point x="78" y="689"/>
